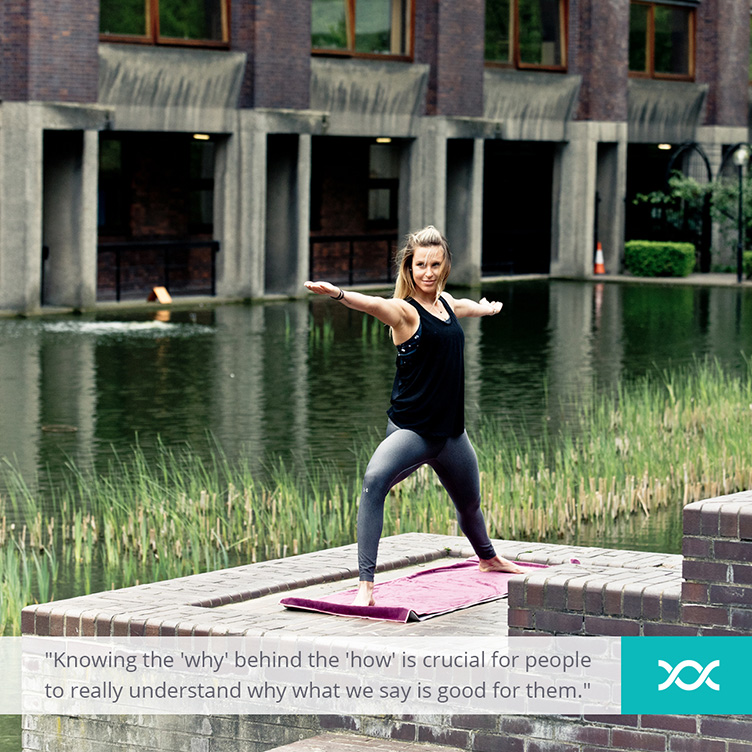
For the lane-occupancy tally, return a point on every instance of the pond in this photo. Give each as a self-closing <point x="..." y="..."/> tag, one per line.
<point x="310" y="379"/>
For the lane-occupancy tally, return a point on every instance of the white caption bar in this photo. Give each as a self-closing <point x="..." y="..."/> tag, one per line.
<point x="345" y="675"/>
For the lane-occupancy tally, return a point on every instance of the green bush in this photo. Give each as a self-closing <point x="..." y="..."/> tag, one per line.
<point x="747" y="264"/>
<point x="650" y="258"/>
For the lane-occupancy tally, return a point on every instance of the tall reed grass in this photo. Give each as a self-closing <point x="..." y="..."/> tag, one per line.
<point x="666" y="439"/>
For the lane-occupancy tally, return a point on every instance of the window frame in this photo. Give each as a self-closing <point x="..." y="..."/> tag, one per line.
<point x="516" y="62"/>
<point x="351" y="52"/>
<point x="153" y="38"/>
<point x="651" y="73"/>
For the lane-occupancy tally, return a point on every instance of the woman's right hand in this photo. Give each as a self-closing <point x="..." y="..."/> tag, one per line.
<point x="322" y="288"/>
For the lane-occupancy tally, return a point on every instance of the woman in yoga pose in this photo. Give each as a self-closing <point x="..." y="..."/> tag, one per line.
<point x="427" y="417"/>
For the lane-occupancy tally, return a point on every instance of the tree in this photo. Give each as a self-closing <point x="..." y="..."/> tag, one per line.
<point x="682" y="206"/>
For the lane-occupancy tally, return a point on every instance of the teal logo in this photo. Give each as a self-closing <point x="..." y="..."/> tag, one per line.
<point x="686" y="675"/>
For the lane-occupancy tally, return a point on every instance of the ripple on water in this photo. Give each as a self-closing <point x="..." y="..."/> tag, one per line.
<point x="147" y="329"/>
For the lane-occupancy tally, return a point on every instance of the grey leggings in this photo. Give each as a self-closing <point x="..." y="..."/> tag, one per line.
<point x="400" y="454"/>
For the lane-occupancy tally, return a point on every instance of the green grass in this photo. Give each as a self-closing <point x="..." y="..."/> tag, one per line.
<point x="665" y="440"/>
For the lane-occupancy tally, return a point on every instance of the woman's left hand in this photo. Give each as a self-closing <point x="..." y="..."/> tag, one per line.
<point x="492" y="307"/>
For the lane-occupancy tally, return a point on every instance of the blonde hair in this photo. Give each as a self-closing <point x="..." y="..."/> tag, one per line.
<point x="427" y="237"/>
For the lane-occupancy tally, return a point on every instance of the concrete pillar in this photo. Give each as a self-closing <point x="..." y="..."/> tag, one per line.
<point x="464" y="208"/>
<point x="426" y="194"/>
<point x="287" y="213"/>
<point x="240" y="210"/>
<point x="573" y="204"/>
<point x="20" y="207"/>
<point x="611" y="186"/>
<point x="70" y="218"/>
<point x="305" y="142"/>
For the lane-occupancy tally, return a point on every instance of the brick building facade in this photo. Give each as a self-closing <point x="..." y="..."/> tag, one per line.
<point x="524" y="161"/>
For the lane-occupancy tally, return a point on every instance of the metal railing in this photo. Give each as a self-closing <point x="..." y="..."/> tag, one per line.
<point x="380" y="271"/>
<point x="165" y="249"/>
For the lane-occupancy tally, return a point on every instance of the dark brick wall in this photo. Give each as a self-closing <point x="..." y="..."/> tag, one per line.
<point x="714" y="596"/>
<point x="597" y="733"/>
<point x="49" y="50"/>
<point x="281" y="52"/>
<point x="598" y="51"/>
<point x="155" y="192"/>
<point x="242" y="28"/>
<point x="339" y="185"/>
<point x="339" y="206"/>
<point x="717" y="587"/>
<point x="425" y="48"/>
<point x="450" y="37"/>
<point x="722" y="59"/>
<point x="14" y="49"/>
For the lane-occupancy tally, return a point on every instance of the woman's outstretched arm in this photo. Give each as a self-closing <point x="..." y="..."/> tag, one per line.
<point x="393" y="312"/>
<point x="464" y="307"/>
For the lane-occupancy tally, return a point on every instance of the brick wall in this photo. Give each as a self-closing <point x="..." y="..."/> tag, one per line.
<point x="504" y="733"/>
<point x="242" y="28"/>
<point x="450" y="37"/>
<point x="281" y="53"/>
<point x="717" y="587"/>
<point x="14" y="49"/>
<point x="722" y="59"/>
<point x="711" y="595"/>
<point x="598" y="51"/>
<point x="49" y="51"/>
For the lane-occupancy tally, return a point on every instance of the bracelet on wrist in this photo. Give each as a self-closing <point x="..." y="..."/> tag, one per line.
<point x="340" y="296"/>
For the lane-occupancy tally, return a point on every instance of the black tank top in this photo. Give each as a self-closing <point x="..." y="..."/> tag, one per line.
<point x="428" y="395"/>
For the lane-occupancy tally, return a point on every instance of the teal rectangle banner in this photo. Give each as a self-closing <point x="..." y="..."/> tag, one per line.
<point x="686" y="675"/>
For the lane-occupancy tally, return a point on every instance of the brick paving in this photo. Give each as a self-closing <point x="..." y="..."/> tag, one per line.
<point x="245" y="599"/>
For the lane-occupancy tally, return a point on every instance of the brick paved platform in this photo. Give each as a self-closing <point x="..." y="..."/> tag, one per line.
<point x="245" y="600"/>
<point x="585" y="591"/>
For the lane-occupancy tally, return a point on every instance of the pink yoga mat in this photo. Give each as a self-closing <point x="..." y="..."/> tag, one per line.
<point x="418" y="596"/>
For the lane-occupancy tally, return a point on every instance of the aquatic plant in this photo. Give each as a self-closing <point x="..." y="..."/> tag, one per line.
<point x="664" y="440"/>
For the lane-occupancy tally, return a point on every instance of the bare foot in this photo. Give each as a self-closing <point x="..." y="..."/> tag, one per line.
<point x="499" y="564"/>
<point x="365" y="594"/>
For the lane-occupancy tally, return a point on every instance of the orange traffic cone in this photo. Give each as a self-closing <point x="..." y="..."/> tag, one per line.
<point x="599" y="266"/>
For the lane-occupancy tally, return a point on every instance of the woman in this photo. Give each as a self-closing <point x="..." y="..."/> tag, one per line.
<point x="426" y="420"/>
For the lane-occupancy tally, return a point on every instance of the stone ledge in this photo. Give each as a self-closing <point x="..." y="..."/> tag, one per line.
<point x="330" y="742"/>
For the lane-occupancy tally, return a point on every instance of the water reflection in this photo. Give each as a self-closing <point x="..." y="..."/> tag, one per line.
<point x="307" y="378"/>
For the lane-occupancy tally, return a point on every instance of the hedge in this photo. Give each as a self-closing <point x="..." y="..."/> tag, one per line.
<point x="747" y="264"/>
<point x="651" y="258"/>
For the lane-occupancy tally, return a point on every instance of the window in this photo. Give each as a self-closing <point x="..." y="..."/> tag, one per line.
<point x="383" y="184"/>
<point x="192" y="22"/>
<point x="201" y="187"/>
<point x="361" y="27"/>
<point x="661" y="40"/>
<point x="526" y="33"/>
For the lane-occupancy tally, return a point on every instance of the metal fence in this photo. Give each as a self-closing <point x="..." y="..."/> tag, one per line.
<point x="350" y="259"/>
<point x="132" y="269"/>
